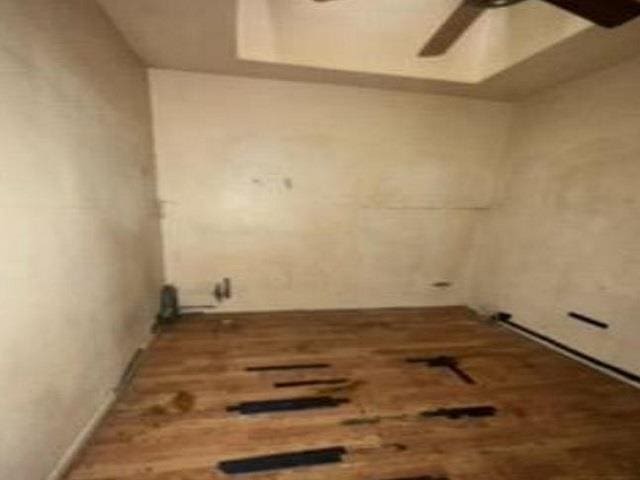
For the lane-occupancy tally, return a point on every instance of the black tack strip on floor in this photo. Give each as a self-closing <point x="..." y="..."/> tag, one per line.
<point x="286" y="405"/>
<point x="283" y="460"/>
<point x="305" y="383"/>
<point x="464" y="412"/>
<point x="268" y="368"/>
<point x="443" y="361"/>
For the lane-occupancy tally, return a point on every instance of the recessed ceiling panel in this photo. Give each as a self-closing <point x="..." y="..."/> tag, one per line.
<point x="385" y="36"/>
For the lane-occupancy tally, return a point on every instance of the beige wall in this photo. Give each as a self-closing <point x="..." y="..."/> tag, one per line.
<point x="318" y="196"/>
<point x="566" y="235"/>
<point x="80" y="240"/>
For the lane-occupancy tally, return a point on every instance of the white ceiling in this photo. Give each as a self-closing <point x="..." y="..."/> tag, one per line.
<point x="508" y="53"/>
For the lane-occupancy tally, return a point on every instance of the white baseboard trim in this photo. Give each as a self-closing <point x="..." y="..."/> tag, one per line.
<point x="63" y="465"/>
<point x="65" y="462"/>
<point x="572" y="356"/>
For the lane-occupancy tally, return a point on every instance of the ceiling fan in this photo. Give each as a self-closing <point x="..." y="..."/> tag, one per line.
<point x="606" y="13"/>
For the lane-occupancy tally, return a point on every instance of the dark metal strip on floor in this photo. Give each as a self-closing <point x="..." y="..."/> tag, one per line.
<point x="305" y="383"/>
<point x="283" y="460"/>
<point x="287" y="367"/>
<point x="287" y="404"/>
<point x="461" y="412"/>
<point x="444" y="361"/>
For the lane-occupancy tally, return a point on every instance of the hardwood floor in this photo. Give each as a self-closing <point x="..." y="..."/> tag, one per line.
<point x="555" y="418"/>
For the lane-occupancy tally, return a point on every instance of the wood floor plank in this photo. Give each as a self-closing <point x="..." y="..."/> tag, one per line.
<point x="556" y="419"/>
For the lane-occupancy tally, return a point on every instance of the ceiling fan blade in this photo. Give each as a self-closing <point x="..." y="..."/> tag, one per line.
<point x="452" y="29"/>
<point x="606" y="13"/>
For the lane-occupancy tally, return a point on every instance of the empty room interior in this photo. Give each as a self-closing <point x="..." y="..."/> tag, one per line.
<point x="320" y="239"/>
